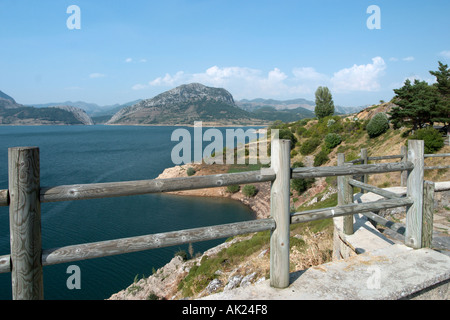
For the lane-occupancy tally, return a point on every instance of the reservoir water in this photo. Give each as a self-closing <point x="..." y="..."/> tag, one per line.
<point x="90" y="154"/>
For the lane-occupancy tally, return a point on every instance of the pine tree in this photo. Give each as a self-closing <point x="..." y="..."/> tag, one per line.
<point x="415" y="104"/>
<point x="442" y="112"/>
<point x="324" y="103"/>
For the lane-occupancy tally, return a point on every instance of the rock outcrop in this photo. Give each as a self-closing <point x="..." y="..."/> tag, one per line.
<point x="13" y="113"/>
<point x="79" y="114"/>
<point x="184" y="105"/>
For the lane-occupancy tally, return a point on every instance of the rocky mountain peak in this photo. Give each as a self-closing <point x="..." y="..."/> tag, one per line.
<point x="183" y="105"/>
<point x="78" y="113"/>
<point x="190" y="93"/>
<point x="7" y="101"/>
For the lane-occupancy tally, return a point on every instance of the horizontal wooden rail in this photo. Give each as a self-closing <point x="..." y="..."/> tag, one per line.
<point x="317" y="214"/>
<point x="379" y="191"/>
<point x="316" y="172"/>
<point x="436" y="167"/>
<point x="376" y="158"/>
<point x="139" y="187"/>
<point x="355" y="160"/>
<point x="429" y="155"/>
<point x="385" y="157"/>
<point x="397" y="227"/>
<point x="140" y="243"/>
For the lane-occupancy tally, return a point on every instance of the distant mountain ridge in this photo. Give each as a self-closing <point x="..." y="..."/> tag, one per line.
<point x="184" y="105"/>
<point x="13" y="113"/>
<point x="251" y="105"/>
<point x="255" y="104"/>
<point x="92" y="109"/>
<point x="181" y="105"/>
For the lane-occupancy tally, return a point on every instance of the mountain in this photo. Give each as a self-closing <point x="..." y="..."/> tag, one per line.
<point x="286" y="115"/>
<point x="256" y="104"/>
<point x="184" y="105"/>
<point x="78" y="113"/>
<point x="6" y="101"/>
<point x="13" y="113"/>
<point x="251" y="105"/>
<point x="92" y="109"/>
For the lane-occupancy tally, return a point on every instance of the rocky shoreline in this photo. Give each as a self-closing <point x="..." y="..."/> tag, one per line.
<point x="163" y="284"/>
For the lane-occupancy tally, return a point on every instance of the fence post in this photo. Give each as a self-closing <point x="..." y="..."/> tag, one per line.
<point x="428" y="212"/>
<point x="365" y="177"/>
<point x="25" y="223"/>
<point x="345" y="195"/>
<point x="279" y="210"/>
<point x="404" y="174"/>
<point x="414" y="212"/>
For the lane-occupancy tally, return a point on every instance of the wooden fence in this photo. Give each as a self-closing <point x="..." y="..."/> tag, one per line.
<point x="24" y="196"/>
<point x="426" y="194"/>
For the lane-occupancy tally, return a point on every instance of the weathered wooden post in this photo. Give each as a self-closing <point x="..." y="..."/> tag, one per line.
<point x="365" y="177"/>
<point x="404" y="174"/>
<point x="279" y="210"/>
<point x="428" y="212"/>
<point x="414" y="212"/>
<point x="345" y="195"/>
<point x="25" y="223"/>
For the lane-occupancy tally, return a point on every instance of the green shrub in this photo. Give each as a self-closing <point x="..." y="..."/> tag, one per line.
<point x="152" y="296"/>
<point x="379" y="124"/>
<point x="332" y="140"/>
<point x="301" y="131"/>
<point x="301" y="185"/>
<point x="297" y="164"/>
<point x="309" y="146"/>
<point x="190" y="171"/>
<point x="321" y="158"/>
<point x="233" y="188"/>
<point x="294" y="153"/>
<point x="432" y="139"/>
<point x="249" y="190"/>
<point x="182" y="254"/>
<point x="288" y="135"/>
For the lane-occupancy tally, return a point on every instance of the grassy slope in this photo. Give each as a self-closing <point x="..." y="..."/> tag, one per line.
<point x="311" y="243"/>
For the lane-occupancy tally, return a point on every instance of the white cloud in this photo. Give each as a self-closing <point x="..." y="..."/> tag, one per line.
<point x="129" y="60"/>
<point x="407" y="59"/>
<point x="445" y="54"/>
<point x="168" y="80"/>
<point x="308" y="74"/>
<point x="241" y="81"/>
<point x="396" y="85"/>
<point x="244" y="82"/>
<point x="359" y="77"/>
<point x="96" y="75"/>
<point x="139" y="86"/>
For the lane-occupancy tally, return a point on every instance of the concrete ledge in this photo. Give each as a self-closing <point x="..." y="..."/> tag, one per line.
<point x="365" y="237"/>
<point x="393" y="272"/>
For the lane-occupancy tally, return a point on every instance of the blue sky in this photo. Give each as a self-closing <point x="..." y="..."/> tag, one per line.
<point x="127" y="50"/>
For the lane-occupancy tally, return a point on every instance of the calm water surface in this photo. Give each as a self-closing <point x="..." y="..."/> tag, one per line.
<point x="89" y="154"/>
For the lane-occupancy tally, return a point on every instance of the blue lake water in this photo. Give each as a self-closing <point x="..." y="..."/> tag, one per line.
<point x="90" y="154"/>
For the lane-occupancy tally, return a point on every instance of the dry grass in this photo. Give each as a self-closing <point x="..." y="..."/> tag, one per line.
<point x="317" y="250"/>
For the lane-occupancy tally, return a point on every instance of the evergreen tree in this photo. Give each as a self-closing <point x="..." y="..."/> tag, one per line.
<point x="416" y="104"/>
<point x="442" y="111"/>
<point x="324" y="103"/>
